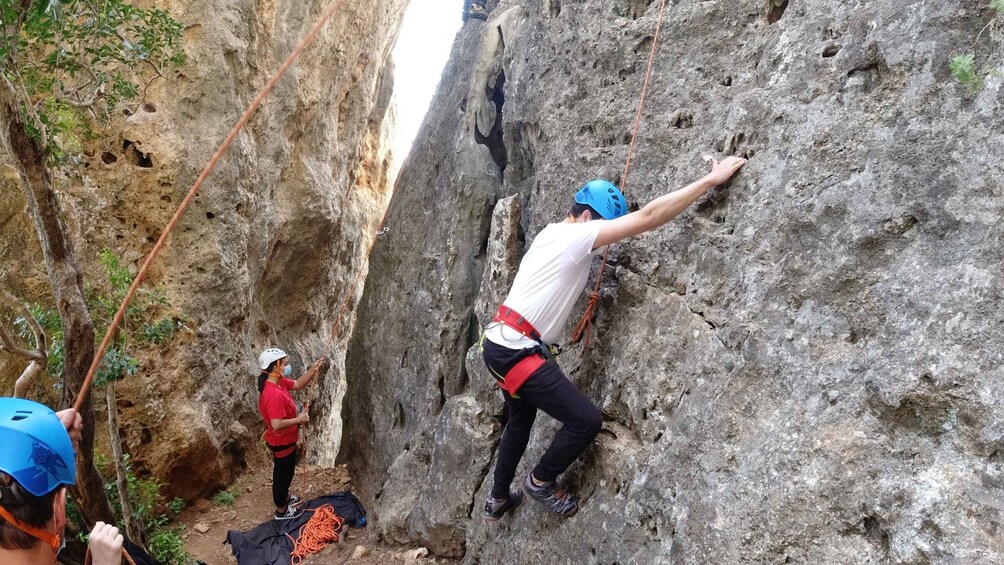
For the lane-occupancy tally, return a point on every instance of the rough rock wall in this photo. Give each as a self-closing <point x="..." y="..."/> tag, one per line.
<point x="273" y="243"/>
<point x="805" y="367"/>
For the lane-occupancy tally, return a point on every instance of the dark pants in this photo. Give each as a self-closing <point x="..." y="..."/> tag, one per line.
<point x="548" y="390"/>
<point x="282" y="476"/>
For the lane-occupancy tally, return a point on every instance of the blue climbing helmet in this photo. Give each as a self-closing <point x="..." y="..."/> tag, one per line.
<point x="603" y="197"/>
<point x="37" y="451"/>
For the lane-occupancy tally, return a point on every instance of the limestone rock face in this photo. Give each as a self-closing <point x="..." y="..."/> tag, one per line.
<point x="805" y="367"/>
<point x="276" y="239"/>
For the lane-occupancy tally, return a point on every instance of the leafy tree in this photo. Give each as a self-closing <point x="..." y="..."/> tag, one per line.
<point x="66" y="66"/>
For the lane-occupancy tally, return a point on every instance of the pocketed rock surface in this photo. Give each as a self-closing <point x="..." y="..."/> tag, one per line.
<point x="270" y="248"/>
<point x="804" y="367"/>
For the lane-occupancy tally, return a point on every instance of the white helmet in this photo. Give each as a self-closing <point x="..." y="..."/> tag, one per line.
<point x="270" y="356"/>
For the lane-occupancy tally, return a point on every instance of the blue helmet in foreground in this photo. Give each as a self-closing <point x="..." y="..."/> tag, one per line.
<point x="37" y="451"/>
<point x="603" y="197"/>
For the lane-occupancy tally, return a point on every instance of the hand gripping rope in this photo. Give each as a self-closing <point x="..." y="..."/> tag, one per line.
<point x="585" y="325"/>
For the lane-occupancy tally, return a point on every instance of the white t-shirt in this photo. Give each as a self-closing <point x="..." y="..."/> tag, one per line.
<point x="551" y="276"/>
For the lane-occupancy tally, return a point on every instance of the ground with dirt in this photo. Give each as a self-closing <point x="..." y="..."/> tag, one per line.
<point x="253" y="505"/>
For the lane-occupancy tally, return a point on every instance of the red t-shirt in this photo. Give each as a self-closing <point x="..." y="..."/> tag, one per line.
<point x="276" y="403"/>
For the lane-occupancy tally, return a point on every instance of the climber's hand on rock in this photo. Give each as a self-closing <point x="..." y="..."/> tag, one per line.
<point x="723" y="171"/>
<point x="304" y="416"/>
<point x="105" y="543"/>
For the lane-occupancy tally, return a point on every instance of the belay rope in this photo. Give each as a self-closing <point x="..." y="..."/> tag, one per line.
<point x="141" y="275"/>
<point x="585" y="326"/>
<point x="251" y="109"/>
<point x="583" y="329"/>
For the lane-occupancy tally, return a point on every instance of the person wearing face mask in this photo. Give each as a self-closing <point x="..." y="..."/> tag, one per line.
<point x="282" y="423"/>
<point x="36" y="465"/>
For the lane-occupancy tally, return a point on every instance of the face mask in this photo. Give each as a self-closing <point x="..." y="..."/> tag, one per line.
<point x="287" y="371"/>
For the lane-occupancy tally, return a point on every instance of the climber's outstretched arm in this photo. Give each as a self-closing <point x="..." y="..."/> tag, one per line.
<point x="663" y="209"/>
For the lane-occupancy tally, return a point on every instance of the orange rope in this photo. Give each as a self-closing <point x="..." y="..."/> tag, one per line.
<point x="125" y="555"/>
<point x="320" y="530"/>
<point x="255" y="104"/>
<point x="585" y="326"/>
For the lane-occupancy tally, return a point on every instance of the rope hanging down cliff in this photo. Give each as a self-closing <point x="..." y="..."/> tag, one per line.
<point x="584" y="328"/>
<point x="251" y="109"/>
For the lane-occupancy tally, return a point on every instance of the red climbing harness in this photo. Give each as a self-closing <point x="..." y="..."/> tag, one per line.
<point x="526" y="366"/>
<point x="516" y="321"/>
<point x="520" y="372"/>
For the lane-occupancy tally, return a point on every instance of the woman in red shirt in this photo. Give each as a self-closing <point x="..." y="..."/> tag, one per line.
<point x="282" y="423"/>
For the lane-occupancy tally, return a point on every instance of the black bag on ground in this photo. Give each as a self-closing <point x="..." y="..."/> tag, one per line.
<point x="271" y="543"/>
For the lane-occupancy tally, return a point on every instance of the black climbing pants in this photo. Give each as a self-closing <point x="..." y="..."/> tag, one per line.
<point x="282" y="476"/>
<point x="550" y="391"/>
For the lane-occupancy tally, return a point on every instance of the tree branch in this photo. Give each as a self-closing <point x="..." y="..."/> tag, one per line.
<point x="8" y="344"/>
<point x="38" y="358"/>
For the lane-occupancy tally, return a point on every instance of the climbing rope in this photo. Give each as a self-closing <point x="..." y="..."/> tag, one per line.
<point x="255" y="104"/>
<point x="322" y="529"/>
<point x="585" y="326"/>
<point x="125" y="556"/>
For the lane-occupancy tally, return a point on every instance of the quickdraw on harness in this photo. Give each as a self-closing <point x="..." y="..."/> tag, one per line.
<point x="521" y="371"/>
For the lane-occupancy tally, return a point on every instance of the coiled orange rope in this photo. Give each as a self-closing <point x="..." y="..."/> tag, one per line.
<point x="322" y="528"/>
<point x="585" y="326"/>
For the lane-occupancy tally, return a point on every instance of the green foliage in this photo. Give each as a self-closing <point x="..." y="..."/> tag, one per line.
<point x="158" y="332"/>
<point x="164" y="542"/>
<point x="73" y="516"/>
<point x="144" y="314"/>
<point x="168" y="547"/>
<point x="176" y="506"/>
<point x="115" y="365"/>
<point x="78" y="60"/>
<point x="962" y="67"/>
<point x="224" y="498"/>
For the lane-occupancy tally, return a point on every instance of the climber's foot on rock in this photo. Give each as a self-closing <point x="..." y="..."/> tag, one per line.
<point x="554" y="499"/>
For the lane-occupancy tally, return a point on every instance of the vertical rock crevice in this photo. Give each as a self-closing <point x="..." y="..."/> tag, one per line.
<point x="805" y="333"/>
<point x="494" y="140"/>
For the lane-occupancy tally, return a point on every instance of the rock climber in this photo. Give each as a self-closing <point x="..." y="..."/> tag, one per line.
<point x="37" y="461"/>
<point x="550" y="278"/>
<point x="475" y="9"/>
<point x="282" y="423"/>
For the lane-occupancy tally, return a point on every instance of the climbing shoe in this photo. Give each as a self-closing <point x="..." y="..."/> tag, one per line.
<point x="290" y="513"/>
<point x="495" y="510"/>
<point x="477" y="11"/>
<point x="552" y="498"/>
